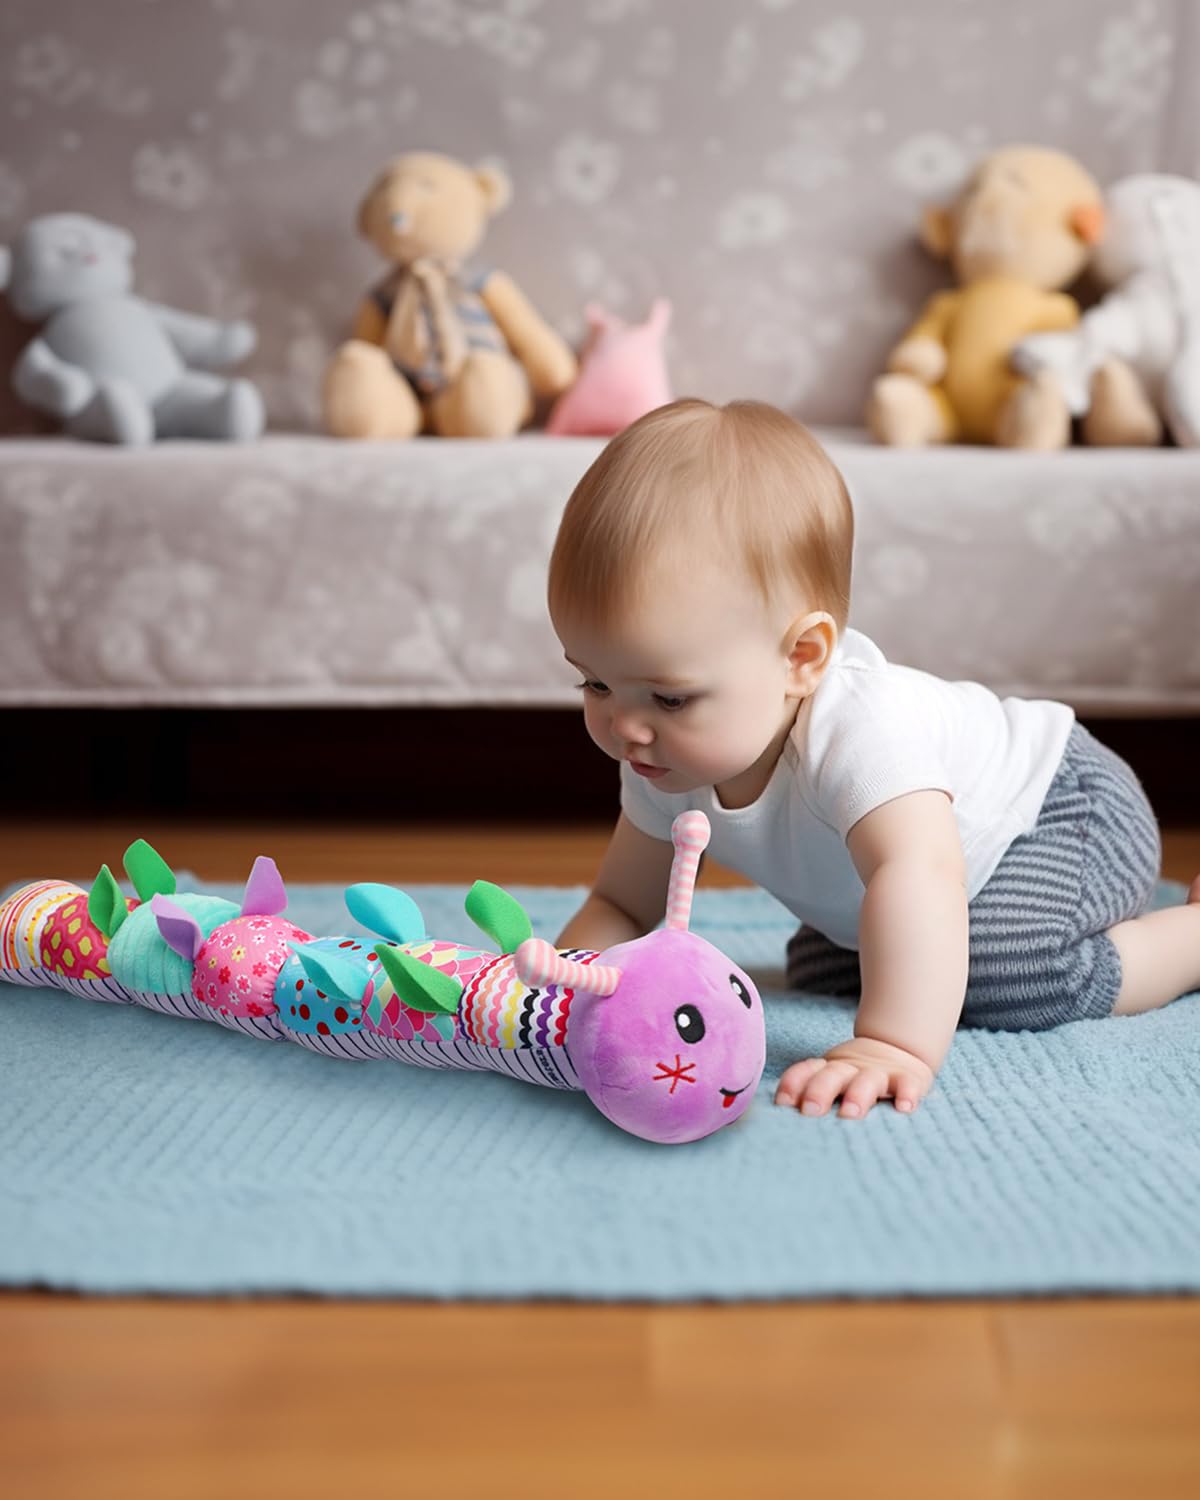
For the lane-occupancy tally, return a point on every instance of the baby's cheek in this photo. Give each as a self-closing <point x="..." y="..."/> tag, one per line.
<point x="596" y="724"/>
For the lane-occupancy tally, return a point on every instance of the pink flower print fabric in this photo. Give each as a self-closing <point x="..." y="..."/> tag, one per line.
<point x="236" y="969"/>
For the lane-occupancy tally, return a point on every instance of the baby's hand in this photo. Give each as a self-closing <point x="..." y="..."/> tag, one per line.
<point x="860" y="1071"/>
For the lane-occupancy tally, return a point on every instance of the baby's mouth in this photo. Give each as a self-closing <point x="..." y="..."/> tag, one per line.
<point x="729" y="1095"/>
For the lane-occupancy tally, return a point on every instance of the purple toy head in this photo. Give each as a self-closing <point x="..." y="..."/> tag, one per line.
<point x="666" y="1033"/>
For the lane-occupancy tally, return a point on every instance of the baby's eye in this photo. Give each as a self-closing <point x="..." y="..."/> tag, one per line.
<point x="599" y="689"/>
<point x="671" y="702"/>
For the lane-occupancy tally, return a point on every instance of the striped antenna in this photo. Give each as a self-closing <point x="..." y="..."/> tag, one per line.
<point x="539" y="964"/>
<point x="690" y="834"/>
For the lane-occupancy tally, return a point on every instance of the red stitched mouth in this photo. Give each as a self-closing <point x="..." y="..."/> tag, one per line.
<point x="729" y="1095"/>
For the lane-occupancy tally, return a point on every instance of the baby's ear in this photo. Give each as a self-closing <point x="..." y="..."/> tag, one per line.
<point x="810" y="644"/>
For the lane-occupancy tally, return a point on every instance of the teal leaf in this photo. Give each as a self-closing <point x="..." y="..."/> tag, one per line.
<point x="385" y="910"/>
<point x="333" y="975"/>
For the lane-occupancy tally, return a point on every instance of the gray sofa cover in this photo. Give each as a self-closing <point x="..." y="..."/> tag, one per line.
<point x="300" y="570"/>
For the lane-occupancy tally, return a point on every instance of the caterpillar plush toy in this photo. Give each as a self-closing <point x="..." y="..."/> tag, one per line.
<point x="664" y="1034"/>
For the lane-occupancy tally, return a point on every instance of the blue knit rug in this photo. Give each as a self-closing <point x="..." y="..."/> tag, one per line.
<point x="139" y="1153"/>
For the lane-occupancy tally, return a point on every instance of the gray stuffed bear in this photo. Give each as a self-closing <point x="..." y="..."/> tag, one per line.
<point x="110" y="365"/>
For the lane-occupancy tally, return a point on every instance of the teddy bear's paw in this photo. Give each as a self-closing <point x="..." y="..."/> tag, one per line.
<point x="115" y="414"/>
<point x="904" y="413"/>
<point x="923" y="358"/>
<point x="1121" y="414"/>
<point x="1035" y="416"/>
<point x="489" y="399"/>
<point x="365" y="396"/>
<point x="243" y="417"/>
<point x="234" y="342"/>
<point x="1182" y="397"/>
<point x="1066" y="356"/>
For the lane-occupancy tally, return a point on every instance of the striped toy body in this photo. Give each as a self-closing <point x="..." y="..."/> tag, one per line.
<point x="665" y="1037"/>
<point x="500" y="1024"/>
<point x="247" y="975"/>
<point x="48" y="939"/>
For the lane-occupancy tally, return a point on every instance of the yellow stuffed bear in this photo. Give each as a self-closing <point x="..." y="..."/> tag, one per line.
<point x="432" y="349"/>
<point x="1022" y="227"/>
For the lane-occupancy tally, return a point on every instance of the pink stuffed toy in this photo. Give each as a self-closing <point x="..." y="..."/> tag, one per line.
<point x="622" y="375"/>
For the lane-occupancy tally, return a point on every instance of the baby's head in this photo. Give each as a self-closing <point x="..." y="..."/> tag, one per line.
<point x="699" y="582"/>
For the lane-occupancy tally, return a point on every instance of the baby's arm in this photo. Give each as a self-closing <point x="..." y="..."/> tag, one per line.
<point x="629" y="896"/>
<point x="913" y="955"/>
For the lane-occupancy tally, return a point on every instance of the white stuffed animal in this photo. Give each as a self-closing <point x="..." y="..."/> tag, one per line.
<point x="110" y="365"/>
<point x="1133" y="364"/>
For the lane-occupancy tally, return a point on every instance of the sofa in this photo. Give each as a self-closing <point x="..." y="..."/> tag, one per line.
<point x="763" y="168"/>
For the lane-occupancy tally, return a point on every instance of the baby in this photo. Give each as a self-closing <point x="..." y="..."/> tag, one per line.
<point x="955" y="857"/>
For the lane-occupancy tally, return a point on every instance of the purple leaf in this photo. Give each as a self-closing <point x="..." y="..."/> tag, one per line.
<point x="265" y="893"/>
<point x="179" y="928"/>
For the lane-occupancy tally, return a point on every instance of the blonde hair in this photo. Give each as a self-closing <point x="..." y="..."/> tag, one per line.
<point x="742" y="480"/>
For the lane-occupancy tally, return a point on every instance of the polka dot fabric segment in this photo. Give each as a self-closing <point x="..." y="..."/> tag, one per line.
<point x="311" y="1014"/>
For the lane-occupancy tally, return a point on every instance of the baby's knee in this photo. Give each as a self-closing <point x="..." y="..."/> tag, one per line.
<point x="1035" y="988"/>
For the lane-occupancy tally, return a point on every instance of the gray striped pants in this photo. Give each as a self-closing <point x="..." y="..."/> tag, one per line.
<point x="1039" y="954"/>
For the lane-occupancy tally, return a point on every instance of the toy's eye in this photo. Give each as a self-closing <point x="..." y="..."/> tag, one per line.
<point x="740" y="990"/>
<point x="689" y="1023"/>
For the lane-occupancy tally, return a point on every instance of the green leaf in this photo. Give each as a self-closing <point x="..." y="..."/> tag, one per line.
<point x="419" y="985"/>
<point x="149" y="871"/>
<point x="498" y="914"/>
<point x="106" y="903"/>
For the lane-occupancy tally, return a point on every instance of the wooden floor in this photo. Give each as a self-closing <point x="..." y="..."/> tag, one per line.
<point x="297" y="1398"/>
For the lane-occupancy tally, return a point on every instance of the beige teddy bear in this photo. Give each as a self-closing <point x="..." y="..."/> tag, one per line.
<point x="1022" y="227"/>
<point x="433" y="348"/>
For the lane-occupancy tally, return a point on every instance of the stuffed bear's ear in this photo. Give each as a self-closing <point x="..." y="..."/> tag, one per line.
<point x="1087" y="221"/>
<point x="5" y="266"/>
<point x="937" y="231"/>
<point x="364" y="208"/>
<point x="495" y="187"/>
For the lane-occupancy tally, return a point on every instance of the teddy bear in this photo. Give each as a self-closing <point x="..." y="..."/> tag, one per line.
<point x="432" y="347"/>
<point x="109" y="365"/>
<point x="1021" y="229"/>
<point x="1132" y="367"/>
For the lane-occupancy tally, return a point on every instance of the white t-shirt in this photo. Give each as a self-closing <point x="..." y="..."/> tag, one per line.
<point x="869" y="733"/>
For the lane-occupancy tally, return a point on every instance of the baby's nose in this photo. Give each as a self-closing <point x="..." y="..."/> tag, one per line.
<point x="631" y="730"/>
